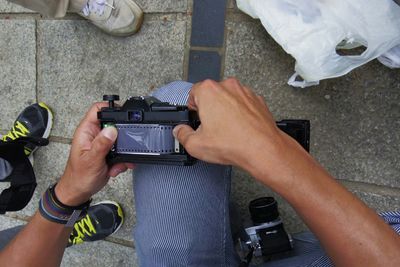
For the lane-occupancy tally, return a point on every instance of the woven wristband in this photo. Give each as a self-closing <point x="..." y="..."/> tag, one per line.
<point x="53" y="210"/>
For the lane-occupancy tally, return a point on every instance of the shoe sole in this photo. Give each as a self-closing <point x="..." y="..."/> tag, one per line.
<point x="120" y="212"/>
<point x="139" y="21"/>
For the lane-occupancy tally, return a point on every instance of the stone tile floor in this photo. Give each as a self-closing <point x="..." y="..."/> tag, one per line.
<point x="69" y="64"/>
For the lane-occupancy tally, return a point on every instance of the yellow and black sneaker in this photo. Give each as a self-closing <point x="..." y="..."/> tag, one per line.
<point x="102" y="219"/>
<point x="34" y="121"/>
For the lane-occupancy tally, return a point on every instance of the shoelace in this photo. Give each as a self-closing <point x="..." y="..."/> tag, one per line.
<point x="96" y="6"/>
<point x="82" y="228"/>
<point x="18" y="130"/>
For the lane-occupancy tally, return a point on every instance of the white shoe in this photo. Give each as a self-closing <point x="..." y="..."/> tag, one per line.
<point x="115" y="17"/>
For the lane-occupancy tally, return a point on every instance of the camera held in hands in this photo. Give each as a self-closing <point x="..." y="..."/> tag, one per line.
<point x="268" y="236"/>
<point x="145" y="127"/>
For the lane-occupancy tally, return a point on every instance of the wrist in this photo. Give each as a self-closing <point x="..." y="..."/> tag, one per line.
<point x="69" y="196"/>
<point x="261" y="154"/>
<point x="52" y="209"/>
<point x="278" y="161"/>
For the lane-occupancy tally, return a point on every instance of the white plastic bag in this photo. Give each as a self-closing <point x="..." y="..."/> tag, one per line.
<point x="312" y="30"/>
<point x="391" y="58"/>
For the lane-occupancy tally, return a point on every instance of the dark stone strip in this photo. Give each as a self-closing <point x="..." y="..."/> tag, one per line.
<point x="208" y="23"/>
<point x="204" y="65"/>
<point x="208" y="27"/>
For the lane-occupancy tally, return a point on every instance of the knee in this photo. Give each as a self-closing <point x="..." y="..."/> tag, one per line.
<point x="175" y="92"/>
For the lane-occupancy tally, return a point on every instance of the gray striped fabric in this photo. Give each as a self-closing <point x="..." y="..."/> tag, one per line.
<point x="183" y="212"/>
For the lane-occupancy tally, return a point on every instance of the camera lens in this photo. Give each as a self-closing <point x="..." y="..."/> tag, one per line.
<point x="263" y="210"/>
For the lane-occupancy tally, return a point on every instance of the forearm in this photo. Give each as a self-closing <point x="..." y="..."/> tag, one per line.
<point x="352" y="233"/>
<point x="40" y="243"/>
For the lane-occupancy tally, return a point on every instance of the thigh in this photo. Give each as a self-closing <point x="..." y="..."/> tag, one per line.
<point x="183" y="211"/>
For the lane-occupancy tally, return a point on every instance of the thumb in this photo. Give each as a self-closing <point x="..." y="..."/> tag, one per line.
<point x="183" y="133"/>
<point x="103" y="142"/>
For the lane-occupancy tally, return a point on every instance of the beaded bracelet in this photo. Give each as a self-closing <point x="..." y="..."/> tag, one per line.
<point x="53" y="210"/>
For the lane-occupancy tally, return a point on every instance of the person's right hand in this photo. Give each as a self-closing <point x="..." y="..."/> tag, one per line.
<point x="235" y="124"/>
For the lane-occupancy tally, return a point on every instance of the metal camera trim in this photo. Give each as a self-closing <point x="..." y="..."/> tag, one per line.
<point x="254" y="241"/>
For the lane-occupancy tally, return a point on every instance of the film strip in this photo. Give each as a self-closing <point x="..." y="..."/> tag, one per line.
<point x="146" y="139"/>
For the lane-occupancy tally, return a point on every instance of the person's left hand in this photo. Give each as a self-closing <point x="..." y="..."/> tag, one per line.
<point x="87" y="172"/>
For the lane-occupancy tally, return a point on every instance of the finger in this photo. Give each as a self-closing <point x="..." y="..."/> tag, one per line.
<point x="183" y="133"/>
<point x="232" y="83"/>
<point x="196" y="93"/>
<point x="261" y="99"/>
<point x="117" y="169"/>
<point x="103" y="142"/>
<point x="192" y="97"/>
<point x="124" y="165"/>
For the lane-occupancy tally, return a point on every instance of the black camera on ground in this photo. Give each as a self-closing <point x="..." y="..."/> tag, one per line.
<point x="268" y="236"/>
<point x="145" y="127"/>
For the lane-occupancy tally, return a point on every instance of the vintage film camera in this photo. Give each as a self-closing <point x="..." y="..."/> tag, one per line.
<point x="145" y="127"/>
<point x="268" y="236"/>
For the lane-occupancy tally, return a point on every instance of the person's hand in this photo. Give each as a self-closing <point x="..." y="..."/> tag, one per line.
<point x="235" y="124"/>
<point x="87" y="172"/>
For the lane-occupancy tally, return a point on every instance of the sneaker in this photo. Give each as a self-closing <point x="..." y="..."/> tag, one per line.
<point x="102" y="219"/>
<point x="34" y="121"/>
<point x="115" y="17"/>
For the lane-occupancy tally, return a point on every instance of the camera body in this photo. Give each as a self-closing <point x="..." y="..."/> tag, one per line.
<point x="268" y="236"/>
<point x="145" y="127"/>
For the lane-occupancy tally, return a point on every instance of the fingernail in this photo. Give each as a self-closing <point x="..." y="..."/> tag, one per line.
<point x="176" y="129"/>
<point x="110" y="132"/>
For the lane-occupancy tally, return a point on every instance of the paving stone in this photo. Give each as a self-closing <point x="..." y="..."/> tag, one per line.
<point x="232" y="4"/>
<point x="204" y="65"/>
<point x="8" y="7"/>
<point x="208" y="23"/>
<point x="150" y="6"/>
<point x="72" y="75"/>
<point x="6" y="222"/>
<point x="17" y="68"/>
<point x="354" y="119"/>
<point x="245" y="189"/>
<point x="100" y="254"/>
